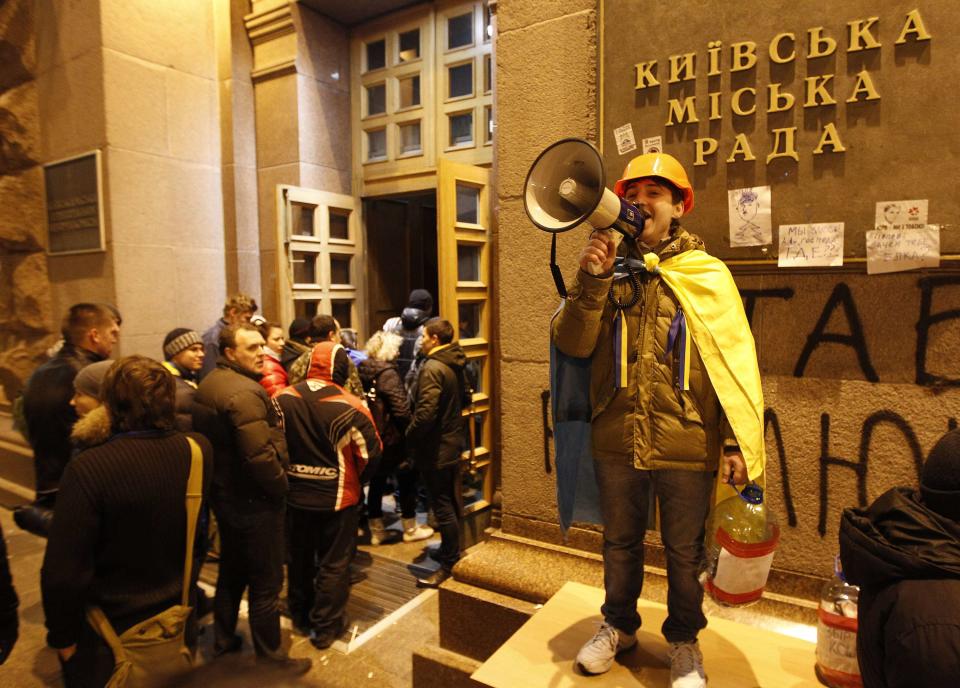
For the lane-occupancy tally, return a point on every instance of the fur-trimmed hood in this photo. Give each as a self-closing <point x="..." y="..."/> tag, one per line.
<point x="92" y="429"/>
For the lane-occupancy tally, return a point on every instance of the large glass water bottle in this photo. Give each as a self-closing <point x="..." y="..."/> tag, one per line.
<point x="837" y="664"/>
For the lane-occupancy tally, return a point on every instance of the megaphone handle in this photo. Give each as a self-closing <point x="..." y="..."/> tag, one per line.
<point x="555" y="269"/>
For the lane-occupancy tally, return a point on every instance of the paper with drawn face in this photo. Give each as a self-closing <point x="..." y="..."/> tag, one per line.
<point x="902" y="214"/>
<point x="813" y="245"/>
<point x="895" y="250"/>
<point x="749" y="213"/>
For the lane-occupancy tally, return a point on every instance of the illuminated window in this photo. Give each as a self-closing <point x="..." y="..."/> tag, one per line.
<point x="410" y="138"/>
<point x="409" y="91"/>
<point x="376" y="55"/>
<point x="461" y="129"/>
<point x="460" y="31"/>
<point x="409" y="45"/>
<point x="468" y="263"/>
<point x="377" y="144"/>
<point x="304" y="267"/>
<point x="376" y="99"/>
<point x="460" y="80"/>
<point x="339" y="224"/>
<point x="468" y="200"/>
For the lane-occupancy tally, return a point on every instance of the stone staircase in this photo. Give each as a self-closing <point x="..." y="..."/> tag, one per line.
<point x="16" y="463"/>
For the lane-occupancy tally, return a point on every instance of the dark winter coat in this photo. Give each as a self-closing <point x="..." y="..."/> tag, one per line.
<point x="211" y="347"/>
<point x="382" y="379"/>
<point x="9" y="624"/>
<point x="436" y="433"/>
<point x="117" y="539"/>
<point x="186" y="391"/>
<point x="409" y="325"/>
<point x="906" y="560"/>
<point x="331" y="438"/>
<point x="292" y="350"/>
<point x="49" y="415"/>
<point x="250" y="453"/>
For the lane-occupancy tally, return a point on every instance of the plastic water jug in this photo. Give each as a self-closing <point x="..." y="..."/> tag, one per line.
<point x="741" y="539"/>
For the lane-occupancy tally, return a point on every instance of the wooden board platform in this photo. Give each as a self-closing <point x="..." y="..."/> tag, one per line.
<point x="542" y="652"/>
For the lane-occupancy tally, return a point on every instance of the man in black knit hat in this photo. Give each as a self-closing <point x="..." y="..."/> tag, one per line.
<point x="904" y="553"/>
<point x="409" y="325"/>
<point x="183" y="355"/>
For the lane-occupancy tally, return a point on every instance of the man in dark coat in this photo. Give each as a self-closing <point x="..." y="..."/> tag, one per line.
<point x="904" y="553"/>
<point x="436" y="437"/>
<point x="238" y="309"/>
<point x="9" y="602"/>
<point x="409" y="325"/>
<point x="297" y="343"/>
<point x="90" y="332"/>
<point x="183" y="355"/>
<point x="249" y="489"/>
<point x="332" y="441"/>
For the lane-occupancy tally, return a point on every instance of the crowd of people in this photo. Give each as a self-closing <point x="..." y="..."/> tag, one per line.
<point x="287" y="439"/>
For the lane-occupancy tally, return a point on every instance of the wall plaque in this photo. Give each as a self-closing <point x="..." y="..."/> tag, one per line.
<point x="74" y="205"/>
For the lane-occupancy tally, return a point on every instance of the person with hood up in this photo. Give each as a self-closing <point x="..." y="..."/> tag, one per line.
<point x="436" y="437"/>
<point x="904" y="553"/>
<point x="333" y="444"/>
<point x="409" y="325"/>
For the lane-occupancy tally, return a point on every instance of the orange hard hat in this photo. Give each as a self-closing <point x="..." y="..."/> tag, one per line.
<point x="657" y="165"/>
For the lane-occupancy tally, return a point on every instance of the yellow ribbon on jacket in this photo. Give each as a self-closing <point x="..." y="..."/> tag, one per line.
<point x="715" y="317"/>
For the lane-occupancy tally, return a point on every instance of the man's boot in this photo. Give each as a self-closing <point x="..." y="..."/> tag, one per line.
<point x="378" y="533"/>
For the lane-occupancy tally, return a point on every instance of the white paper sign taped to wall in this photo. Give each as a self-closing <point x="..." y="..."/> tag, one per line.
<point x="749" y="213"/>
<point x="653" y="144"/>
<point x="626" y="141"/>
<point x="902" y="214"/>
<point x="895" y="250"/>
<point x="819" y="244"/>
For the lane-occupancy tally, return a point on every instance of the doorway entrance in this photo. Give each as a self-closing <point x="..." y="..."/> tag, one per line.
<point x="401" y="253"/>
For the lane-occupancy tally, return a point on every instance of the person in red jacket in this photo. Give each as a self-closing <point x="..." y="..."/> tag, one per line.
<point x="333" y="444"/>
<point x="274" y="375"/>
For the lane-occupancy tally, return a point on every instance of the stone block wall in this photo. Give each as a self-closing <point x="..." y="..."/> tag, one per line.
<point x="859" y="372"/>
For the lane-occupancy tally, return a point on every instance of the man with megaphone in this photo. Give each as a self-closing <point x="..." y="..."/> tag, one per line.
<point x="674" y="395"/>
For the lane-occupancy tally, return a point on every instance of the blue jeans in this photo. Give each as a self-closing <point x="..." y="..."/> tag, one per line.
<point x="684" y="498"/>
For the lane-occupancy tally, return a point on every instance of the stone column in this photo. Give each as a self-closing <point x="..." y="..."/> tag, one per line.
<point x="26" y="319"/>
<point x="302" y="100"/>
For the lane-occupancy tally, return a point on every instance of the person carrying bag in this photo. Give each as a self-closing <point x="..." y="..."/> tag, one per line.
<point x="154" y="651"/>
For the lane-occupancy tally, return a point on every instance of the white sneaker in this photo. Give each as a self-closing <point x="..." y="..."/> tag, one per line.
<point x="596" y="656"/>
<point x="378" y="533"/>
<point x="686" y="665"/>
<point x="412" y="531"/>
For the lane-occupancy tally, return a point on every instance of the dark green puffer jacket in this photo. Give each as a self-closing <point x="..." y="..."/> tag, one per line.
<point x="650" y="422"/>
<point x="436" y="433"/>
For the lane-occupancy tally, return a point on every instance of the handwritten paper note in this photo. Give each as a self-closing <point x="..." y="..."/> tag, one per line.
<point x="803" y="246"/>
<point x="895" y="250"/>
<point x="748" y="211"/>
<point x="902" y="214"/>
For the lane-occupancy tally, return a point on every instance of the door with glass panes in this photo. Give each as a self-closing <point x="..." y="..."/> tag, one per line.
<point x="320" y="267"/>
<point x="464" y="255"/>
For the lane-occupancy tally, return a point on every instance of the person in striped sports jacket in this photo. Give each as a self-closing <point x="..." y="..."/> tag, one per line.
<point x="333" y="446"/>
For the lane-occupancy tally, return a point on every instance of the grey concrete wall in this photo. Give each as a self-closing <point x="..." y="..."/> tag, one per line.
<point x="859" y="375"/>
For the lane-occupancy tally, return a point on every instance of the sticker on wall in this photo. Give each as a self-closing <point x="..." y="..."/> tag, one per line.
<point x="895" y="250"/>
<point x="819" y="244"/>
<point x="902" y="214"/>
<point x="626" y="141"/>
<point x="749" y="213"/>
<point x="653" y="144"/>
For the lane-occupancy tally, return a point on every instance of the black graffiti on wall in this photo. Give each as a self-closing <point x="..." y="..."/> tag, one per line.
<point x="928" y="320"/>
<point x="828" y="460"/>
<point x="842" y="298"/>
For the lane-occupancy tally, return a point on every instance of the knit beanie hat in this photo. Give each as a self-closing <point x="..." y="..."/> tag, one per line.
<point x="179" y="339"/>
<point x="89" y="379"/>
<point x="421" y="299"/>
<point x="299" y="328"/>
<point x="940" y="478"/>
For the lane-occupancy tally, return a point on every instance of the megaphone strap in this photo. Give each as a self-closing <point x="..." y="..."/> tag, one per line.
<point x="555" y="269"/>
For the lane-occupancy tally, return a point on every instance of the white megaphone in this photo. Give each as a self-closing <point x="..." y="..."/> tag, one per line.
<point x="566" y="187"/>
